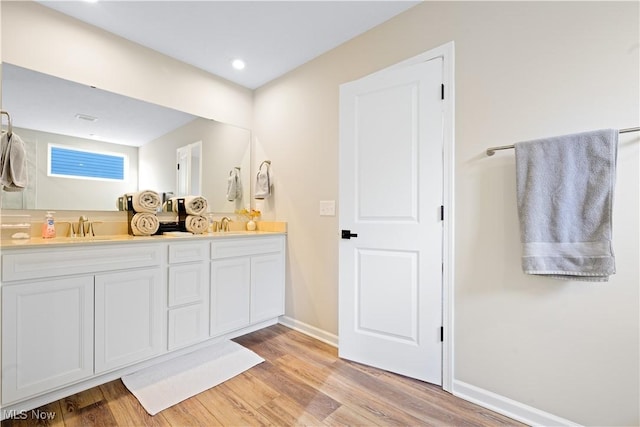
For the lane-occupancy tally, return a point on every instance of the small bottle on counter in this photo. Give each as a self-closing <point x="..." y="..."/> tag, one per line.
<point x="49" y="226"/>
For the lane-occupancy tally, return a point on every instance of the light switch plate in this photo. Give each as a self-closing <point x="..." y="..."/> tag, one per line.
<point x="327" y="208"/>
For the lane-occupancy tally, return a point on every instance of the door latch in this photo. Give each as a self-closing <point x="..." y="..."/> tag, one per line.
<point x="347" y="234"/>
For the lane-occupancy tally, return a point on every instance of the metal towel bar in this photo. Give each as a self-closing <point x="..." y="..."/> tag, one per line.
<point x="9" y="125"/>
<point x="492" y="150"/>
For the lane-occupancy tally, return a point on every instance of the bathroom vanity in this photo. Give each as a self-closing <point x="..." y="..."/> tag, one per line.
<point x="78" y="313"/>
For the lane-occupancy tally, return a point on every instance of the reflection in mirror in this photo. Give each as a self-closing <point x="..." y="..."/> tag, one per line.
<point x="158" y="161"/>
<point x="48" y="110"/>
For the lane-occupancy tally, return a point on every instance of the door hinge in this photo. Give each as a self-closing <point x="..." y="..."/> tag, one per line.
<point x="441" y="212"/>
<point x="441" y="334"/>
<point x="442" y="91"/>
<point x="178" y="166"/>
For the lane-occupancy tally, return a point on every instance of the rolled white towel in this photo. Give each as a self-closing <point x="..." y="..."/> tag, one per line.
<point x="196" y="224"/>
<point x="144" y="224"/>
<point x="146" y="201"/>
<point x="193" y="205"/>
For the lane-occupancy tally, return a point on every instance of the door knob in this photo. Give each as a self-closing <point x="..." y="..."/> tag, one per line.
<point x="347" y="234"/>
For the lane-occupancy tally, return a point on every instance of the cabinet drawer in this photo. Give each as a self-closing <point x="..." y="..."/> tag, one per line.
<point x="188" y="283"/>
<point x="63" y="262"/>
<point x="188" y="325"/>
<point x="188" y="252"/>
<point x="244" y="247"/>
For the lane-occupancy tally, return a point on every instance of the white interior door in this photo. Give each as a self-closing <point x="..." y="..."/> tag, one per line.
<point x="391" y="191"/>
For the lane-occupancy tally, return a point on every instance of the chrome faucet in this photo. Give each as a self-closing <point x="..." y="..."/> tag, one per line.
<point x="224" y="223"/>
<point x="81" y="222"/>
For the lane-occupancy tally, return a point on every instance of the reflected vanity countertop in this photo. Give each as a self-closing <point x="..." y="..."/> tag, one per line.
<point x="125" y="238"/>
<point x="264" y="228"/>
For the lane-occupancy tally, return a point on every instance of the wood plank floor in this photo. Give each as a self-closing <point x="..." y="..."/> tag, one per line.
<point x="301" y="382"/>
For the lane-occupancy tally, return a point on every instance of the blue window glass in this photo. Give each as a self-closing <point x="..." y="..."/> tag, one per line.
<point x="85" y="164"/>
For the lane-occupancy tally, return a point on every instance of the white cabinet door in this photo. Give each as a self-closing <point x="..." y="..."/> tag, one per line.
<point x="230" y="293"/>
<point x="47" y="335"/>
<point x="129" y="309"/>
<point x="188" y="304"/>
<point x="267" y="287"/>
<point x="188" y="325"/>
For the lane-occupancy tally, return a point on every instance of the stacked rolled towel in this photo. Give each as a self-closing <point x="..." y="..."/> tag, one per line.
<point x="193" y="205"/>
<point x="196" y="224"/>
<point x="144" y="224"/>
<point x="145" y="201"/>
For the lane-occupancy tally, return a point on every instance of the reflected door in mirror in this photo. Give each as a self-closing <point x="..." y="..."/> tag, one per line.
<point x="188" y="169"/>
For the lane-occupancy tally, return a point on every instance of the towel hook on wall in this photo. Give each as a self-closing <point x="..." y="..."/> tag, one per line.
<point x="9" y="125"/>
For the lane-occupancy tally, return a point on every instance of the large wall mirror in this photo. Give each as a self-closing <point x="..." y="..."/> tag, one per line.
<point x="48" y="112"/>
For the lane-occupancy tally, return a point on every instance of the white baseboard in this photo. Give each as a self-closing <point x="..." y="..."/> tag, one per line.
<point x="307" y="329"/>
<point x="508" y="407"/>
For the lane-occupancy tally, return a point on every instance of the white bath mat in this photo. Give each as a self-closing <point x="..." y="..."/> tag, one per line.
<point x="161" y="386"/>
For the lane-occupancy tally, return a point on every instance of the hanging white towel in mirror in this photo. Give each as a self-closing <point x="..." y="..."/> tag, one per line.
<point x="263" y="181"/>
<point x="234" y="185"/>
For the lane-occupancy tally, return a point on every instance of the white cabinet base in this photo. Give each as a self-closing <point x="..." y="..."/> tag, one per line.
<point x="97" y="380"/>
<point x="79" y="316"/>
<point x="47" y="335"/>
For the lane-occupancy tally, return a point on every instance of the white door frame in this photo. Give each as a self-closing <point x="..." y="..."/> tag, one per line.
<point x="446" y="52"/>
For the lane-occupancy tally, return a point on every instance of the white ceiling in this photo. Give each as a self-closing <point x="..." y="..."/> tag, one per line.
<point x="273" y="37"/>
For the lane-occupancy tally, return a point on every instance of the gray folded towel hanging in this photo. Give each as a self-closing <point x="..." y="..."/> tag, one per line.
<point x="263" y="181"/>
<point x="565" y="197"/>
<point x="13" y="162"/>
<point x="234" y="185"/>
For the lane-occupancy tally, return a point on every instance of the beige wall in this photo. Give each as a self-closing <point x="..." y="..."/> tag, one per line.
<point x="41" y="39"/>
<point x="523" y="70"/>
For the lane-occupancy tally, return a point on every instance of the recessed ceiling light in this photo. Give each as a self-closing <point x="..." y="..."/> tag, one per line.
<point x="238" y="64"/>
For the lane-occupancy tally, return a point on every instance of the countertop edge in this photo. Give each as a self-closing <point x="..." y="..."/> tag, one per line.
<point x="38" y="242"/>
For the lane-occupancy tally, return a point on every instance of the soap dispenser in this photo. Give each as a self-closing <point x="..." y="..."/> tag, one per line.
<point x="49" y="226"/>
